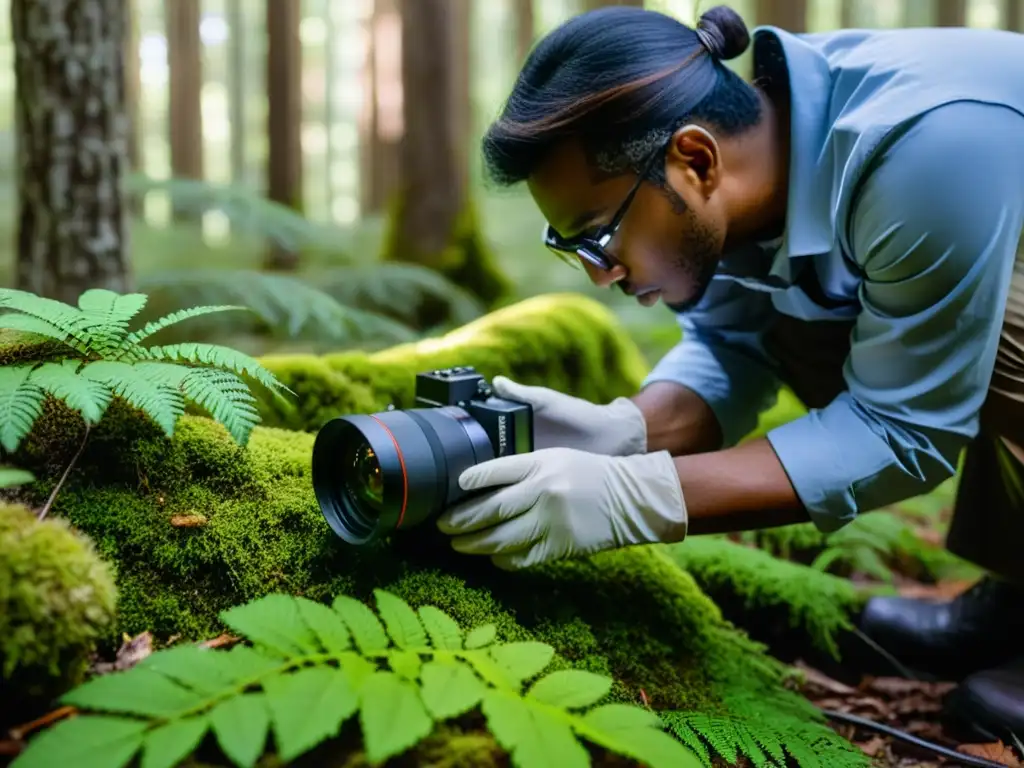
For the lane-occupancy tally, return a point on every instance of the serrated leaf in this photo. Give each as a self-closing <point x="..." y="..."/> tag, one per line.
<point x="445" y="633"/>
<point x="84" y="741"/>
<point x="272" y="621"/>
<point x="392" y="716"/>
<point x="88" y="397"/>
<point x="532" y="736"/>
<point x="401" y="620"/>
<point x="449" y="688"/>
<point x="307" y="707"/>
<point x="326" y="624"/>
<point x="481" y="636"/>
<point x="244" y="662"/>
<point x="21" y="402"/>
<point x="364" y="625"/>
<point x="241" y="724"/>
<point x="637" y="733"/>
<point x="202" y="669"/>
<point x="168" y="745"/>
<point x="569" y="688"/>
<point x="138" y="691"/>
<point x="521" y="661"/>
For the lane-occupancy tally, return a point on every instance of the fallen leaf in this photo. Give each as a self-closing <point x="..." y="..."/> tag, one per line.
<point x="997" y="752"/>
<point x="824" y="682"/>
<point x="188" y="521"/>
<point x="220" y="641"/>
<point x="132" y="651"/>
<point x="873" y="746"/>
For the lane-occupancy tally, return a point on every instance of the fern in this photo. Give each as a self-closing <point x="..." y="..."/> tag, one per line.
<point x="13" y="476"/>
<point x="311" y="668"/>
<point x="765" y="742"/>
<point x="105" y="359"/>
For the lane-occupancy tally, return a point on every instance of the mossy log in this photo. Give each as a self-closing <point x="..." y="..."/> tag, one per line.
<point x="196" y="524"/>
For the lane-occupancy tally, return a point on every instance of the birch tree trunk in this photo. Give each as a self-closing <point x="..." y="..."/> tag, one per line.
<point x="71" y="134"/>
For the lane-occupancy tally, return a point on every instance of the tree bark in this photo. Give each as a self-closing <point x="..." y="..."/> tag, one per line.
<point x="71" y="131"/>
<point x="951" y="13"/>
<point x="185" y="68"/>
<point x="526" y="24"/>
<point x="790" y="15"/>
<point x="1013" y="15"/>
<point x="284" y="115"/>
<point x="236" y="87"/>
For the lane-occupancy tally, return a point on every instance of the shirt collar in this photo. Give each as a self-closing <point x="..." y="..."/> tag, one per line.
<point x="792" y="62"/>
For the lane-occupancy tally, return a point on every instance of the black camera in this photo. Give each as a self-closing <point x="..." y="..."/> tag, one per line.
<point x="382" y="472"/>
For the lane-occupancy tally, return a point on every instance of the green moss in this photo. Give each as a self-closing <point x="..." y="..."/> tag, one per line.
<point x="57" y="600"/>
<point x="565" y="341"/>
<point x="465" y="259"/>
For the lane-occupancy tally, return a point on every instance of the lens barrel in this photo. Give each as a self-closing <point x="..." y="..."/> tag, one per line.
<point x="377" y="473"/>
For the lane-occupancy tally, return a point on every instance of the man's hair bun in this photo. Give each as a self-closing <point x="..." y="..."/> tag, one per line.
<point x="723" y="32"/>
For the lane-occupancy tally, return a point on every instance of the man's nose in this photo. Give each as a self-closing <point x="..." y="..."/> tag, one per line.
<point x="603" y="278"/>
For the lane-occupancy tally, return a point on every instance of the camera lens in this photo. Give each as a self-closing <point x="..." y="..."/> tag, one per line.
<point x="377" y="473"/>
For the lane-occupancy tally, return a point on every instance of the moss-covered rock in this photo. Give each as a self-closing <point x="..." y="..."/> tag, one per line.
<point x="57" y="599"/>
<point x="195" y="524"/>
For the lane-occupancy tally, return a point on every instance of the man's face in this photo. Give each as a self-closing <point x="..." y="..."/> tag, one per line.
<point x="670" y="240"/>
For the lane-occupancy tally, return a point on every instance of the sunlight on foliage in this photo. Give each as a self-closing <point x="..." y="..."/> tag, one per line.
<point x="97" y="358"/>
<point x="311" y="668"/>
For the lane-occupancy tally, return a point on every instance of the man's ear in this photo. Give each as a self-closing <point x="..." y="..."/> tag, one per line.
<point x="695" y="151"/>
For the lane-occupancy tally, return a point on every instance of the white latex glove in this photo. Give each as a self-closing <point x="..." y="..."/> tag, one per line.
<point x="563" y="421"/>
<point x="560" y="502"/>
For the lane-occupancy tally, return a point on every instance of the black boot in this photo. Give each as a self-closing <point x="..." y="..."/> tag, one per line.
<point x="988" y="706"/>
<point x="979" y="629"/>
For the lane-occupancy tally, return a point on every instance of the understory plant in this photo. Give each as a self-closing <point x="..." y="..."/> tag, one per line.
<point x="308" y="669"/>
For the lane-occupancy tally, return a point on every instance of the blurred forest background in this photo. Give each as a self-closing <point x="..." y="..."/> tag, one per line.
<point x="319" y="160"/>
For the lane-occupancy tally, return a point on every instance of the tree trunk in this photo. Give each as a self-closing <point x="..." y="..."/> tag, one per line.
<point x="71" y="130"/>
<point x="381" y="124"/>
<point x="433" y="221"/>
<point x="284" y="115"/>
<point x="185" y="69"/>
<point x="236" y="87"/>
<point x="1013" y="15"/>
<point x="951" y="13"/>
<point x="790" y="15"/>
<point x="526" y="24"/>
<point x="590" y="5"/>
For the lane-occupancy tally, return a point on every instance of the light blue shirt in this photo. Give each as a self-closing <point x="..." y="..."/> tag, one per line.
<point x="907" y="198"/>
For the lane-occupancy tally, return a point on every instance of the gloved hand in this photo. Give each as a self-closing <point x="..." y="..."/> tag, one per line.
<point x="564" y="421"/>
<point x="561" y="502"/>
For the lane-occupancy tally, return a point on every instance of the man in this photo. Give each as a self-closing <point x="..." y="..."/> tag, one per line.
<point x="847" y="225"/>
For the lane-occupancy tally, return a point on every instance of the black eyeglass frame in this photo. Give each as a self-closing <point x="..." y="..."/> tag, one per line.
<point x="593" y="248"/>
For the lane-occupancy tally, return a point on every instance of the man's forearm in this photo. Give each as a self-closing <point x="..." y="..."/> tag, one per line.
<point x="738" y="489"/>
<point x="678" y="419"/>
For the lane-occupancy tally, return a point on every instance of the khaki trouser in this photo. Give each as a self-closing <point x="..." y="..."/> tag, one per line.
<point x="987" y="528"/>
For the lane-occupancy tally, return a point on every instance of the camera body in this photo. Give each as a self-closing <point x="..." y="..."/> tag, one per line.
<point x="507" y="423"/>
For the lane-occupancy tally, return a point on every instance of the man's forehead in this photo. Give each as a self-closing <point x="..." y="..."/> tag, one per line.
<point x="567" y="190"/>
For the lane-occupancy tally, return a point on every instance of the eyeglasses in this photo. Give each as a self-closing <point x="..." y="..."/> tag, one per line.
<point x="592" y="248"/>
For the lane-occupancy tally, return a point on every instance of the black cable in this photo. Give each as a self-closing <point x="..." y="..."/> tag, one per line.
<point x="896" y="733"/>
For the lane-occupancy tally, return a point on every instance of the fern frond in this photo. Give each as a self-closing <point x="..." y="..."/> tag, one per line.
<point x="154" y="395"/>
<point x="312" y="668"/>
<point x="226" y="398"/>
<point x="106" y="315"/>
<point x="219" y="356"/>
<point x="12" y="476"/>
<point x="87" y="396"/>
<point x="27" y="323"/>
<point x="174" y="318"/>
<point x="65" y="318"/>
<point x="21" y="402"/>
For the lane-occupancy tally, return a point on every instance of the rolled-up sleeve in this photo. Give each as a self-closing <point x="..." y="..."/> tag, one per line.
<point x="721" y="358"/>
<point x="935" y="229"/>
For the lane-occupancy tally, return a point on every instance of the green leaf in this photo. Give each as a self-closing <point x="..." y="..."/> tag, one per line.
<point x="241" y="724"/>
<point x="90" y="398"/>
<point x="168" y="745"/>
<point x="638" y="733"/>
<point x="481" y="636"/>
<point x="176" y="317"/>
<point x="401" y="620"/>
<point x="444" y="632"/>
<point x="21" y="402"/>
<point x="392" y="716"/>
<point x="12" y="476"/>
<point x="533" y="737"/>
<point x="449" y="688"/>
<point x="137" y="691"/>
<point x="365" y="627"/>
<point x="326" y="624"/>
<point x="274" y="622"/>
<point x="405" y="664"/>
<point x="307" y="707"/>
<point x="84" y="741"/>
<point x="105" y="316"/>
<point x="568" y="688"/>
<point x="220" y="357"/>
<point x="522" y="660"/>
<point x="163" y="403"/>
<point x="29" y="324"/>
<point x="202" y="669"/>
